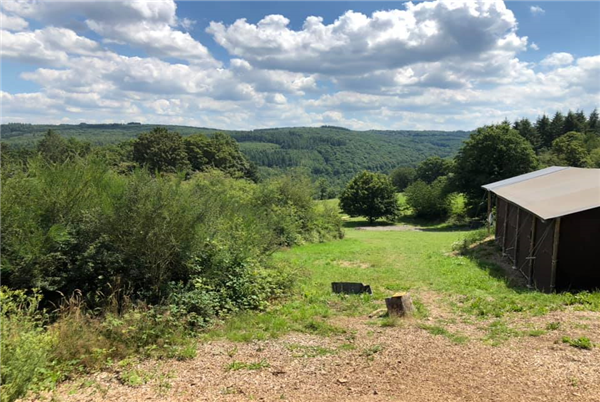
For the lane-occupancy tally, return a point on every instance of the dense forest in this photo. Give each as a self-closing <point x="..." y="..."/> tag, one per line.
<point x="334" y="154"/>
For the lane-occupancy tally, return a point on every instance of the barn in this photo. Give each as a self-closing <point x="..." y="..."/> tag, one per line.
<point x="548" y="225"/>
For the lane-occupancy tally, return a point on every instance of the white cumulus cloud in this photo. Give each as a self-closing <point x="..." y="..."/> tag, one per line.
<point x="557" y="59"/>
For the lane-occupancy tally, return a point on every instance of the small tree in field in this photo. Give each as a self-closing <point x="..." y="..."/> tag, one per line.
<point x="371" y="195"/>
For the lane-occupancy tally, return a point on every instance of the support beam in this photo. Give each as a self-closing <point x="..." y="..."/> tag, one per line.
<point x="505" y="227"/>
<point x="489" y="211"/>
<point x="531" y="250"/>
<point x="515" y="264"/>
<point x="554" y="254"/>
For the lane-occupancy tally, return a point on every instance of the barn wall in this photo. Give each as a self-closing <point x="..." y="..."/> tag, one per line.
<point x="511" y="228"/>
<point x="542" y="267"/>
<point x="500" y="217"/>
<point x="579" y="251"/>
<point x="523" y="242"/>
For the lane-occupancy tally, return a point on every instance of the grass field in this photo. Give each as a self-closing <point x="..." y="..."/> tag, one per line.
<point x="471" y="287"/>
<point x="475" y="334"/>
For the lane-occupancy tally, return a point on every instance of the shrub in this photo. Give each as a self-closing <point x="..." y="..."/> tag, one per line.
<point x="429" y="201"/>
<point x="25" y="346"/>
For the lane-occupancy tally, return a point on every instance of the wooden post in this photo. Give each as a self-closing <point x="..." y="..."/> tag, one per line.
<point x="515" y="265"/>
<point x="489" y="225"/>
<point x="505" y="226"/>
<point x="554" y="254"/>
<point x="531" y="249"/>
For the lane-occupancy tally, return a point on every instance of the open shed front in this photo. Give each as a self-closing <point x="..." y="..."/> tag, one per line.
<point x="548" y="225"/>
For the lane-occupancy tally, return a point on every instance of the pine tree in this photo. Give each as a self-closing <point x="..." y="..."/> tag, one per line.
<point x="593" y="124"/>
<point x="542" y="126"/>
<point x="528" y="131"/>
<point x="556" y="126"/>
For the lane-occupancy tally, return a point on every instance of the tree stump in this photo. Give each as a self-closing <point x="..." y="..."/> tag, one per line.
<point x="399" y="305"/>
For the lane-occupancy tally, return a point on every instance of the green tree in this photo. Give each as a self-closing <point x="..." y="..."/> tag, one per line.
<point x="402" y="177"/>
<point x="53" y="147"/>
<point x="542" y="126"/>
<point x="593" y="124"/>
<point x="428" y="200"/>
<point x="528" y="131"/>
<point x="556" y="126"/>
<point x="371" y="195"/>
<point x="161" y="150"/>
<point x="432" y="168"/>
<point x="492" y="153"/>
<point x="571" y="149"/>
<point x="574" y="122"/>
<point x="219" y="152"/>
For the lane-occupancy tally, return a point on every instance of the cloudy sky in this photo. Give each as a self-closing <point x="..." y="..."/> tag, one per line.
<point x="239" y="65"/>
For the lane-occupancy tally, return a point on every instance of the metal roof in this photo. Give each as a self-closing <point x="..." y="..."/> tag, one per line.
<point x="552" y="192"/>
<point x="523" y="177"/>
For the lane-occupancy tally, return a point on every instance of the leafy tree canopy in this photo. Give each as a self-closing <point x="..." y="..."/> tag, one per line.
<point x="432" y="168"/>
<point x="492" y="153"/>
<point x="161" y="150"/>
<point x="571" y="149"/>
<point x="371" y="195"/>
<point x="402" y="177"/>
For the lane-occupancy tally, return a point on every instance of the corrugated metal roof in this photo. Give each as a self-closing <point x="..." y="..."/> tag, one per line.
<point x="553" y="193"/>
<point x="523" y="177"/>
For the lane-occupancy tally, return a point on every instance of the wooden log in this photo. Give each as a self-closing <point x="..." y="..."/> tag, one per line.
<point x="399" y="305"/>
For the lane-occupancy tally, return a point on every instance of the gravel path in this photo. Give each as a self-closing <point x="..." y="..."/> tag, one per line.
<point x="371" y="363"/>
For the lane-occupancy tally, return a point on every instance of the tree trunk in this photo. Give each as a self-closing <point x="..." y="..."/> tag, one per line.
<point x="400" y="305"/>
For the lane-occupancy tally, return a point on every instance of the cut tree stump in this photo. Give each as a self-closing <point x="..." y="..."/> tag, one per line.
<point x="399" y="305"/>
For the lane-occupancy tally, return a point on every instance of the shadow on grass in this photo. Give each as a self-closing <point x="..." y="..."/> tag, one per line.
<point x="488" y="256"/>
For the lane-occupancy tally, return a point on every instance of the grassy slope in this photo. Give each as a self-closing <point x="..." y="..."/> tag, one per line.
<point x="391" y="261"/>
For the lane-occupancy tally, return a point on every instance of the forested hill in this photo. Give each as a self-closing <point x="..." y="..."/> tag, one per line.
<point x="334" y="153"/>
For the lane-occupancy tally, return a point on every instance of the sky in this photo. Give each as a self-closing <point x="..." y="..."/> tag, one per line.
<point x="438" y="64"/>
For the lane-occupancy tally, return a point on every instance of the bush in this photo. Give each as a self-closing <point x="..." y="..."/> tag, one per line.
<point x="428" y="201"/>
<point x="25" y="346"/>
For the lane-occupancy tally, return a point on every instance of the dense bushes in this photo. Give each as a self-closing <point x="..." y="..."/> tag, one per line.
<point x="428" y="200"/>
<point x="79" y="225"/>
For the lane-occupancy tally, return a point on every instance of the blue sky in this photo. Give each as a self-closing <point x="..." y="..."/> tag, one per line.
<point x="241" y="65"/>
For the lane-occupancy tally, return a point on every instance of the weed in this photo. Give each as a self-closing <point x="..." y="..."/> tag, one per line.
<point x="579" y="343"/>
<point x="498" y="332"/>
<point x="236" y="365"/>
<point x="371" y="351"/>
<point x="309" y="351"/>
<point x="553" y="326"/>
<point x="441" y="331"/>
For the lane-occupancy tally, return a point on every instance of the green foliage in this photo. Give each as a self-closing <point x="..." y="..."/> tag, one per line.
<point x="371" y="195"/>
<point x="432" y="168"/>
<point x="492" y="153"/>
<point x="25" y="347"/>
<point x="571" y="149"/>
<point x="161" y="150"/>
<point x="402" y="177"/>
<point x="218" y="152"/>
<point x="428" y="200"/>
<point x="529" y="132"/>
<point x="55" y="149"/>
<point x="579" y="343"/>
<point x="236" y="365"/>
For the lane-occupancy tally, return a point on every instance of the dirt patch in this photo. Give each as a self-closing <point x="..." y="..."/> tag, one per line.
<point x="353" y="264"/>
<point x="369" y="362"/>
